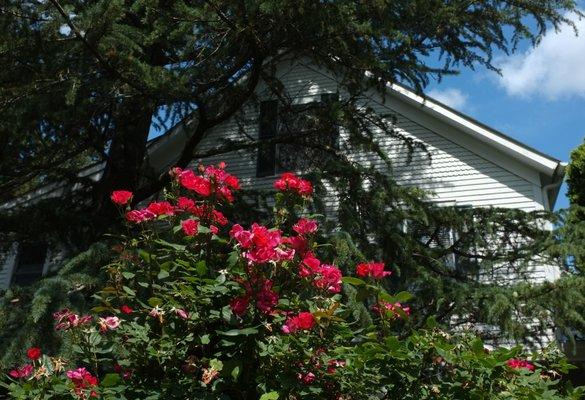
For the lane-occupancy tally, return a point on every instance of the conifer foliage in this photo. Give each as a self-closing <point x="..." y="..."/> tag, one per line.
<point x="82" y="81"/>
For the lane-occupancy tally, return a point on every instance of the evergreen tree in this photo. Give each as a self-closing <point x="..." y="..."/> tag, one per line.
<point x="82" y="82"/>
<point x="576" y="176"/>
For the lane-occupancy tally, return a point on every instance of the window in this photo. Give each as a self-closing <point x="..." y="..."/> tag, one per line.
<point x="30" y="263"/>
<point x="296" y="119"/>
<point x="436" y="238"/>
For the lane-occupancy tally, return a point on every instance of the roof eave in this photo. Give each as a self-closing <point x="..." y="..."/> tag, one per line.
<point x="525" y="154"/>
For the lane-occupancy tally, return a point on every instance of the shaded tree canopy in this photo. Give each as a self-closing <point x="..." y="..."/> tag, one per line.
<point x="82" y="80"/>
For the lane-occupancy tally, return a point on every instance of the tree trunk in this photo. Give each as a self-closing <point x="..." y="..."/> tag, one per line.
<point x="126" y="156"/>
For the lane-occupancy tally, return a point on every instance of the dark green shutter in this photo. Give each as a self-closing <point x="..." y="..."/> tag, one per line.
<point x="327" y="99"/>
<point x="267" y="130"/>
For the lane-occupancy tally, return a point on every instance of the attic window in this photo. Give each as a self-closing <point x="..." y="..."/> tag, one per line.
<point x="299" y="119"/>
<point x="30" y="263"/>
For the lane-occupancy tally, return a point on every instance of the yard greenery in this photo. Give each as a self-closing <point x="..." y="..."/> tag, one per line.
<point x="196" y="307"/>
<point x="83" y="82"/>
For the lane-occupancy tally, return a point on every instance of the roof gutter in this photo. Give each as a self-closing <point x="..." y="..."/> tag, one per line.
<point x="557" y="180"/>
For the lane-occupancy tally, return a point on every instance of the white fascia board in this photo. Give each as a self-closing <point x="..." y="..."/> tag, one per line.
<point x="543" y="164"/>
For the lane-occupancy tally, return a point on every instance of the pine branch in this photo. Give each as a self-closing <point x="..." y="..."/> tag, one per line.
<point x="106" y="65"/>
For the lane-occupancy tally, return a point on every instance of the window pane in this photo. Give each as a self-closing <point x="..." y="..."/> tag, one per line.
<point x="30" y="263"/>
<point x="315" y="133"/>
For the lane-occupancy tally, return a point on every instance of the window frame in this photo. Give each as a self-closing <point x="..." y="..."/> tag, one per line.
<point x="269" y="126"/>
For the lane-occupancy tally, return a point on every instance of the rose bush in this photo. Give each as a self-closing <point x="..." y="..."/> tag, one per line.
<point x="198" y="308"/>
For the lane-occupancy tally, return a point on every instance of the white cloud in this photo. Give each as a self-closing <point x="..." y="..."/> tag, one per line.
<point x="554" y="69"/>
<point x="452" y="97"/>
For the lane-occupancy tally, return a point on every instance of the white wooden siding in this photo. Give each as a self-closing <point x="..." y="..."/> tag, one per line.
<point x="7" y="261"/>
<point x="468" y="174"/>
<point x="454" y="173"/>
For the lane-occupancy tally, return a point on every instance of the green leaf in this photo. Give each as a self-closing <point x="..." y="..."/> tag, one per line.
<point x="203" y="229"/>
<point x="352" y="281"/>
<point x="401" y="297"/>
<point x="201" y="268"/>
<point x="174" y="246"/>
<point x="163" y="274"/>
<point x="238" y="332"/>
<point x="233" y="258"/>
<point x="146" y="256"/>
<point x="110" y="380"/>
<point x="129" y="291"/>
<point x="204" y="339"/>
<point x="431" y="322"/>
<point x="154" y="301"/>
<point x="269" y="396"/>
<point x="128" y="274"/>
<point x="477" y="346"/>
<point x="216" y="364"/>
<point x="235" y="372"/>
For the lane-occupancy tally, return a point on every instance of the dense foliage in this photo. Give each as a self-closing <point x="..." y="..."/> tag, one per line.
<point x="26" y="312"/>
<point x="199" y="308"/>
<point x="83" y="81"/>
<point x="576" y="176"/>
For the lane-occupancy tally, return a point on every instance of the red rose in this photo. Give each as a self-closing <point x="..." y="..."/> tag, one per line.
<point x="121" y="197"/>
<point x="239" y="305"/>
<point x="161" y="208"/>
<point x="520" y="364"/>
<point x="196" y="183"/>
<point x="126" y="309"/>
<point x="372" y="269"/>
<point x="290" y="182"/>
<point x="305" y="226"/>
<point x="190" y="227"/>
<point x="34" y="353"/>
<point x="304" y="321"/>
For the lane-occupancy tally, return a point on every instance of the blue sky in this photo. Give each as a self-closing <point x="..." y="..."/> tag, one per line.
<point x="539" y="99"/>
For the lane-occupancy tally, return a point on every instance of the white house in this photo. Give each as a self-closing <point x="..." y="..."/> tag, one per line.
<point x="471" y="164"/>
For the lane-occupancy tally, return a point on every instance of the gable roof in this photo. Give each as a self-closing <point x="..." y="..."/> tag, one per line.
<point x="542" y="162"/>
<point x="551" y="171"/>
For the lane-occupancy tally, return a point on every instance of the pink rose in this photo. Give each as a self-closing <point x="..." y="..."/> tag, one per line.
<point x="108" y="323"/>
<point x="21" y="372"/>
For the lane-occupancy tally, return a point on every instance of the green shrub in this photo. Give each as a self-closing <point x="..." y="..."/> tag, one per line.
<point x="197" y="309"/>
